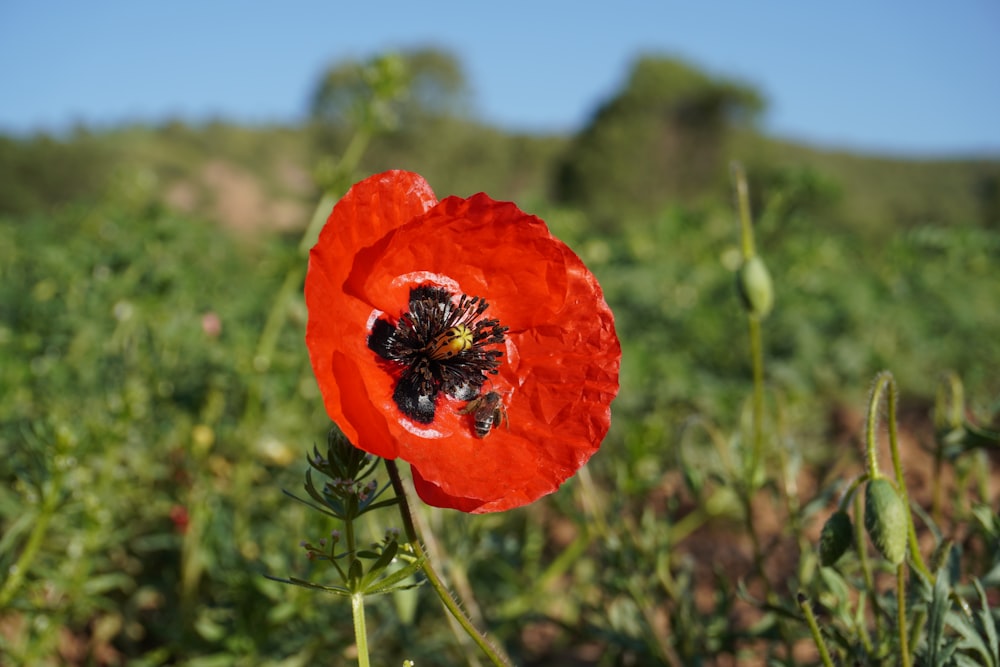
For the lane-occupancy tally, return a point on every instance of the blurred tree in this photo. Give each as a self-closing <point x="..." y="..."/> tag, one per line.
<point x="661" y="138"/>
<point x="427" y="84"/>
<point x="986" y="190"/>
<point x="424" y="124"/>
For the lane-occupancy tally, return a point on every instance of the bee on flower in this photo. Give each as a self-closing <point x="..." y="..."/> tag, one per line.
<point x="488" y="412"/>
<point x="432" y="323"/>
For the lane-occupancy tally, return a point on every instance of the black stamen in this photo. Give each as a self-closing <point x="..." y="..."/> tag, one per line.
<point x="418" y="344"/>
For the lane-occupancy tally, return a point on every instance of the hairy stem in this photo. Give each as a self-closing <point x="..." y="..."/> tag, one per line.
<point x="360" y="631"/>
<point x="817" y="636"/>
<point x="490" y="651"/>
<point x="904" y="639"/>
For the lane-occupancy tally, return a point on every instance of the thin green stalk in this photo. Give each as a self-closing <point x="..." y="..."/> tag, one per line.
<point x="817" y="636"/>
<point x="19" y="570"/>
<point x="319" y="216"/>
<point x="756" y="345"/>
<point x="492" y="652"/>
<point x="937" y="487"/>
<point x="757" y="356"/>
<point x="743" y="204"/>
<point x="917" y="622"/>
<point x="360" y="631"/>
<point x="276" y="317"/>
<point x="269" y="335"/>
<point x="871" y="448"/>
<point x="754" y="317"/>
<point x="349" y="539"/>
<point x="904" y="643"/>
<point x="866" y="569"/>
<point x="339" y="182"/>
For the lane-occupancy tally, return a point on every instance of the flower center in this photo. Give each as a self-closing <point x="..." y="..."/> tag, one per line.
<point x="443" y="343"/>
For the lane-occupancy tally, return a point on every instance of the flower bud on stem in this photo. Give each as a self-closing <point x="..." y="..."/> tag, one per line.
<point x="886" y="513"/>
<point x="754" y="284"/>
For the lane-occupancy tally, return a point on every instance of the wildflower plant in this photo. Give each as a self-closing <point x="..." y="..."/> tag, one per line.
<point x="463" y="338"/>
<point x="419" y="311"/>
<point x="929" y="617"/>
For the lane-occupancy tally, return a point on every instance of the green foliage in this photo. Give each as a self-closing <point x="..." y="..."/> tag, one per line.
<point x="662" y="137"/>
<point x="156" y="397"/>
<point x="875" y="197"/>
<point x="125" y="438"/>
<point x="43" y="172"/>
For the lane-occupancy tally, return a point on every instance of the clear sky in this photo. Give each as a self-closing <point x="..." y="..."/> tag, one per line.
<point x="917" y="77"/>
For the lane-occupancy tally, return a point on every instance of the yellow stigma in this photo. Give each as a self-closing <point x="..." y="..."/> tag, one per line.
<point x="450" y="343"/>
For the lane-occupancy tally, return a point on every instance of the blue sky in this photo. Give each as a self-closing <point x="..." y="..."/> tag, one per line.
<point x="912" y="78"/>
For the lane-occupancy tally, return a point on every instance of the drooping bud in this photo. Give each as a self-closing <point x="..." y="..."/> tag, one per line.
<point x="754" y="284"/>
<point x="885" y="520"/>
<point x="836" y="538"/>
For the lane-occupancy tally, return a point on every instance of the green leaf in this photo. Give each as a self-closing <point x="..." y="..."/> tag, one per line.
<point x="381" y="563"/>
<point x="334" y="512"/>
<point x="392" y="582"/>
<point x="937" y="650"/>
<point x="295" y="581"/>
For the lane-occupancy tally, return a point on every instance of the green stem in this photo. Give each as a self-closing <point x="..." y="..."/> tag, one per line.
<point x="743" y="204"/>
<point x="19" y="570"/>
<point x="360" y="631"/>
<point x="871" y="445"/>
<point x="756" y="346"/>
<point x="490" y="651"/>
<point x="757" y="356"/>
<point x="349" y="539"/>
<point x="904" y="639"/>
<point x="866" y="569"/>
<point x="817" y="636"/>
<point x="936" y="485"/>
<point x="851" y="490"/>
<point x="268" y="340"/>
<point x="319" y="216"/>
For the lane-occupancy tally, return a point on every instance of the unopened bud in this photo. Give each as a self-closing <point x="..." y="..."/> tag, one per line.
<point x="836" y="538"/>
<point x="885" y="520"/>
<point x="754" y="284"/>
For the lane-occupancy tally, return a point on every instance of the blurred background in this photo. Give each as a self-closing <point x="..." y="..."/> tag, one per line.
<point x="160" y="164"/>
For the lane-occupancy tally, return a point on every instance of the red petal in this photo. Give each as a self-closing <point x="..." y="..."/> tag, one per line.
<point x="368" y="211"/>
<point x="558" y="377"/>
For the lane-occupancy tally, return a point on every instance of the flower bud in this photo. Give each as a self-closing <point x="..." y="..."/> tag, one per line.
<point x="754" y="284"/>
<point x="885" y="520"/>
<point x="836" y="538"/>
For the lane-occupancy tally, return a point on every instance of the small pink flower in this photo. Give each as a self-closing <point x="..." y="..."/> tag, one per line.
<point x="211" y="324"/>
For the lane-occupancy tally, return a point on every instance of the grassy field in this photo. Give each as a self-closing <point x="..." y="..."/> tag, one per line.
<point x="156" y="397"/>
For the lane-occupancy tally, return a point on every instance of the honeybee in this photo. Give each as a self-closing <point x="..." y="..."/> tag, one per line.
<point x="488" y="412"/>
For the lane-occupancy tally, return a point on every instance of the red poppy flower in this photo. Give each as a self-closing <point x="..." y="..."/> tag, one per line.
<point x="461" y="337"/>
